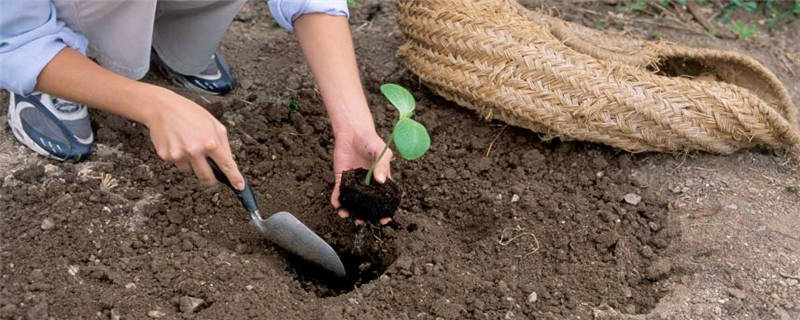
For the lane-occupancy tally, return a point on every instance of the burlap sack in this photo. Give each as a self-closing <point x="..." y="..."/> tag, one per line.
<point x="563" y="80"/>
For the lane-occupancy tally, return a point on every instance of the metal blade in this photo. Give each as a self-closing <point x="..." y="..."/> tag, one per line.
<point x="287" y="232"/>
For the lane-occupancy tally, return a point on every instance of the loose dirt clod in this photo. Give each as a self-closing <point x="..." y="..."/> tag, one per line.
<point x="632" y="198"/>
<point x="156" y="314"/>
<point x="189" y="304"/>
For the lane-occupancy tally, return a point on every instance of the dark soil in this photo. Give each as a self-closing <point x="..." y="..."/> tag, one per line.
<point x="368" y="202"/>
<point x="533" y="230"/>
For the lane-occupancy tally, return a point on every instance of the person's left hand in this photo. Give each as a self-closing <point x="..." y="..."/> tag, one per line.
<point x="359" y="151"/>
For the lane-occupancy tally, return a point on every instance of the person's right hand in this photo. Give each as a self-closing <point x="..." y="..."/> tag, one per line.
<point x="185" y="134"/>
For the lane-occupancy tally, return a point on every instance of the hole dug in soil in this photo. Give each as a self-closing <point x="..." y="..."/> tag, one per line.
<point x="366" y="254"/>
<point x="369" y="249"/>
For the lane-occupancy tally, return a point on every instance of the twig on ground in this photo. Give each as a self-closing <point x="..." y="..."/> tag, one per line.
<point x="489" y="150"/>
<point x="695" y="11"/>
<point x="629" y="20"/>
<point x="789" y="276"/>
<point x="505" y="242"/>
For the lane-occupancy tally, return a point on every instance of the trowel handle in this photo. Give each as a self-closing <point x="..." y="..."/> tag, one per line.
<point x="246" y="196"/>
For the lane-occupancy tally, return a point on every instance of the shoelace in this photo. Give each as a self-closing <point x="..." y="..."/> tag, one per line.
<point x="65" y="106"/>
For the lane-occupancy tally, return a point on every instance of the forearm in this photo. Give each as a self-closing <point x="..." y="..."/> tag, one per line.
<point x="72" y="76"/>
<point x="328" y="48"/>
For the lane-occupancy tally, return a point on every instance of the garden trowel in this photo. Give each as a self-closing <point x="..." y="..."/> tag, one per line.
<point x="284" y="230"/>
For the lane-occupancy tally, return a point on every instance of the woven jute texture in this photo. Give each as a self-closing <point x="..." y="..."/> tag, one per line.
<point x="559" y="79"/>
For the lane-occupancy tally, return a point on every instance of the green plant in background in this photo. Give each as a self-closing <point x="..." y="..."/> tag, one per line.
<point x="664" y="2"/>
<point x="744" y="31"/>
<point x="410" y="138"/>
<point x="777" y="19"/>
<point x="351" y="3"/>
<point x="292" y="105"/>
<point x="748" y="5"/>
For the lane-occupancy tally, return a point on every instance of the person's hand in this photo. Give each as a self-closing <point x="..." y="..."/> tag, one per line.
<point x="185" y="134"/>
<point x="354" y="151"/>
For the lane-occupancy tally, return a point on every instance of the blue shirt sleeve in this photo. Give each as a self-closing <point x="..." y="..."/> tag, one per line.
<point x="286" y="11"/>
<point x="30" y="36"/>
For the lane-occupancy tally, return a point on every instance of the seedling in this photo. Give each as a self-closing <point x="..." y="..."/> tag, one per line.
<point x="411" y="139"/>
<point x="293" y="105"/>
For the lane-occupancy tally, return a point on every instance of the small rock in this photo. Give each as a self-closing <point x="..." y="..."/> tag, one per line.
<point x="384" y="278"/>
<point x="114" y="314"/>
<point x="130" y="285"/>
<point x="156" y="314"/>
<point x="249" y="287"/>
<point x="732" y="207"/>
<point x="737" y="293"/>
<point x="632" y="198"/>
<point x="533" y="297"/>
<point x="791" y="282"/>
<point x="514" y="198"/>
<point x="189" y="304"/>
<point x="50" y="169"/>
<point x="627" y="292"/>
<point x="72" y="270"/>
<point x="48" y="224"/>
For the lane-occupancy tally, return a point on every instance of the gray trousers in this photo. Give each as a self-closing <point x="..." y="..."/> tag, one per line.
<point x="184" y="33"/>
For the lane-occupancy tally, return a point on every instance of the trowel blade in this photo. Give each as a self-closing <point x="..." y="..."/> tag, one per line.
<point x="287" y="232"/>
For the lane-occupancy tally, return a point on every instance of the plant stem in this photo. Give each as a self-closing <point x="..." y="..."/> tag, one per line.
<point x="375" y="163"/>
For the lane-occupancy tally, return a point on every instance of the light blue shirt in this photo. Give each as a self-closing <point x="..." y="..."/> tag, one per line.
<point x="31" y="35"/>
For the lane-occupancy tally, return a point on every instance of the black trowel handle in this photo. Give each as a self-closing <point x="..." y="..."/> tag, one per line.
<point x="246" y="196"/>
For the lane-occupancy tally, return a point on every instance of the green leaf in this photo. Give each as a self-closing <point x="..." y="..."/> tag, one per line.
<point x="400" y="98"/>
<point x="750" y="5"/>
<point x="411" y="139"/>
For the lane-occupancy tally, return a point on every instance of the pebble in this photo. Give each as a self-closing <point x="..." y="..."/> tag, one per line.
<point x="114" y="314"/>
<point x="50" y="169"/>
<point x="514" y="198"/>
<point x="72" y="270"/>
<point x="130" y="285"/>
<point x="189" y="304"/>
<point x="737" y="293"/>
<point x="384" y="278"/>
<point x="249" y="287"/>
<point x="533" y="297"/>
<point x="732" y="207"/>
<point x="791" y="282"/>
<point x="632" y="198"/>
<point x="156" y="314"/>
<point x="48" y="224"/>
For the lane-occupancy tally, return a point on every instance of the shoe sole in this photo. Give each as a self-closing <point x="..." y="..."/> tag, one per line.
<point x="16" y="125"/>
<point x="182" y="82"/>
